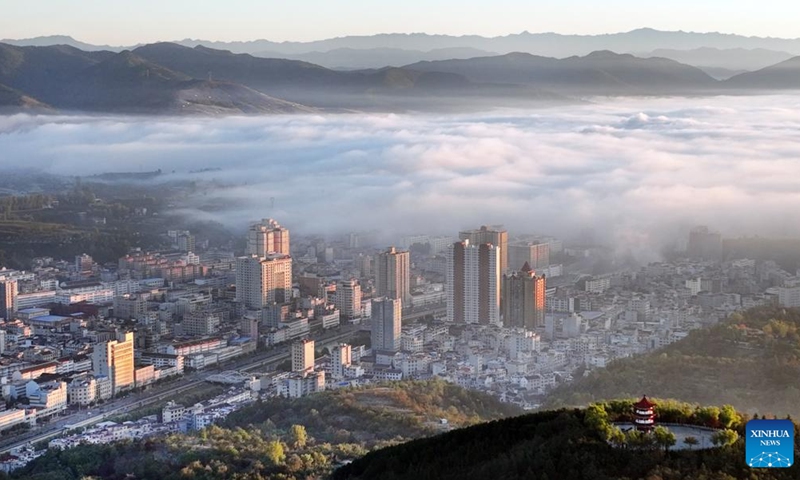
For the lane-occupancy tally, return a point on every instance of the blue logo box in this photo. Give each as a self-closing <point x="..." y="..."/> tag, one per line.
<point x="769" y="443"/>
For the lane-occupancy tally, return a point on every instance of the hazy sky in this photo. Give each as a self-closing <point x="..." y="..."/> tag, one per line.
<point x="120" y="22"/>
<point x="634" y="170"/>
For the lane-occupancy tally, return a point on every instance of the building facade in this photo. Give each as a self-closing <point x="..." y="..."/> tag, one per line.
<point x="262" y="281"/>
<point x="266" y="238"/>
<point x="496" y="235"/>
<point x="473" y="283"/>
<point x="536" y="255"/>
<point x="8" y="298"/>
<point x="524" y="296"/>
<point x="114" y="359"/>
<point x="341" y="358"/>
<point x="348" y="299"/>
<point x="393" y="275"/>
<point x="386" y="324"/>
<point x="303" y="356"/>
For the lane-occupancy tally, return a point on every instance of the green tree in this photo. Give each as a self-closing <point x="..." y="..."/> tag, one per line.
<point x="708" y="416"/>
<point x="664" y="438"/>
<point x="617" y="437"/>
<point x="298" y="436"/>
<point x="691" y="441"/>
<point x="728" y="417"/>
<point x="724" y="437"/>
<point x="597" y="419"/>
<point x="275" y="452"/>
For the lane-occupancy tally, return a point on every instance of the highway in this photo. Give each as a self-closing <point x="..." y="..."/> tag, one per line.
<point x="191" y="380"/>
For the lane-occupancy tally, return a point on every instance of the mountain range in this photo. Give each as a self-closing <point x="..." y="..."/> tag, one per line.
<point x="545" y="44"/>
<point x="722" y="62"/>
<point x="171" y="78"/>
<point x="722" y="56"/>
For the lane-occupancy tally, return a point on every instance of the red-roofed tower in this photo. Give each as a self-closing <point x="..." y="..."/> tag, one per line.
<point x="644" y="416"/>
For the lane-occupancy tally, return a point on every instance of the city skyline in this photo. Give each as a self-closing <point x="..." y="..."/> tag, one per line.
<point x="312" y="239"/>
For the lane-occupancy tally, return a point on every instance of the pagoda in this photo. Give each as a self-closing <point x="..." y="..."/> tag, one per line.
<point x="644" y="416"/>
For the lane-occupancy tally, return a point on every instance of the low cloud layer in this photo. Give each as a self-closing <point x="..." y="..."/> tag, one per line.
<point x="631" y="171"/>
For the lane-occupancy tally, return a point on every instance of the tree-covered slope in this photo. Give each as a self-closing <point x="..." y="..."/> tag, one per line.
<point x="282" y="438"/>
<point x="566" y="445"/>
<point x="751" y="361"/>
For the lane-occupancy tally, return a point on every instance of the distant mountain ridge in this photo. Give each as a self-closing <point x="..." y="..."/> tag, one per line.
<point x="732" y="59"/>
<point x="599" y="71"/>
<point x="783" y="76"/>
<point x="355" y="59"/>
<point x="545" y="44"/>
<point x="172" y="78"/>
<point x="50" y="40"/>
<point x="71" y="79"/>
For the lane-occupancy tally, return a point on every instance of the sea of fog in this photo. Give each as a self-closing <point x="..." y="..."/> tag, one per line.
<point x="629" y="170"/>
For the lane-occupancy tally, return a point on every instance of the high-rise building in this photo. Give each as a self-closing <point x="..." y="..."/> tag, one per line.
<point x="524" y="299"/>
<point x="2" y="342"/>
<point x="364" y="265"/>
<point x="496" y="235"/>
<point x="473" y="283"/>
<point x="186" y="242"/>
<point x="303" y="356"/>
<point x="704" y="244"/>
<point x="341" y="357"/>
<point x="114" y="359"/>
<point x="393" y="276"/>
<point x="348" y="299"/>
<point x="8" y="298"/>
<point x="386" y="324"/>
<point x="535" y="254"/>
<point x="262" y="281"/>
<point x="267" y="237"/>
<point x="83" y="265"/>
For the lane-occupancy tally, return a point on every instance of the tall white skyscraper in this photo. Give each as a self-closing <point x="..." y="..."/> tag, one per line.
<point x="263" y="281"/>
<point x="473" y="283"/>
<point x="267" y="237"/>
<point x="387" y="324"/>
<point x="393" y="275"/>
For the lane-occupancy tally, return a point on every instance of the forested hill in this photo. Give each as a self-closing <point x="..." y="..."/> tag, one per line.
<point x="565" y="445"/>
<point x="751" y="361"/>
<point x="281" y="438"/>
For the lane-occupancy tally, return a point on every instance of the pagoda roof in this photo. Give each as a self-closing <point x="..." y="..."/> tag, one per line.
<point x="644" y="403"/>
